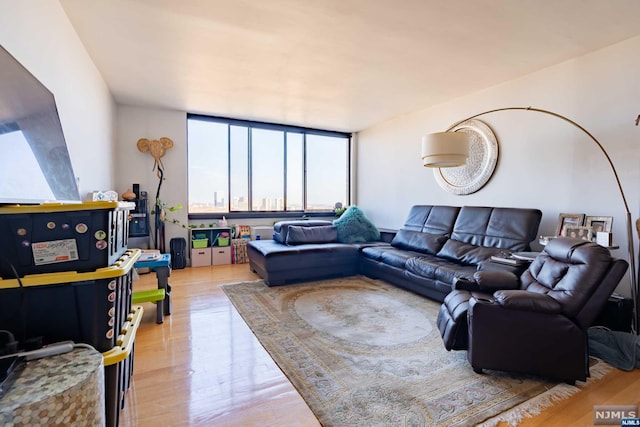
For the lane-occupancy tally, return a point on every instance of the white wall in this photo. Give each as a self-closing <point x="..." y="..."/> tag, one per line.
<point x="40" y="36"/>
<point x="136" y="167"/>
<point x="543" y="163"/>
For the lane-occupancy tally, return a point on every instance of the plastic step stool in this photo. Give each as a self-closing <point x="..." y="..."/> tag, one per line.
<point x="155" y="296"/>
<point x="162" y="267"/>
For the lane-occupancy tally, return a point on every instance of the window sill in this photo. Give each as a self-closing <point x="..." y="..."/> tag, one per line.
<point x="257" y="215"/>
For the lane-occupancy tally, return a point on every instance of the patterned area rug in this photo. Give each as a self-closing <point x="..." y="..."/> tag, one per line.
<point x="362" y="352"/>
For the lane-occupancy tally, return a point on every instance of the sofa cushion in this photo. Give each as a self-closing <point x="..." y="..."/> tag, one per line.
<point x="438" y="268"/>
<point x="319" y="234"/>
<point x="397" y="257"/>
<point x="419" y="242"/>
<point x="466" y="253"/>
<point x="354" y="227"/>
<point x="389" y="255"/>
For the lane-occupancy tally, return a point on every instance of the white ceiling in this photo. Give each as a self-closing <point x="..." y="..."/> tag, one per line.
<point x="332" y="64"/>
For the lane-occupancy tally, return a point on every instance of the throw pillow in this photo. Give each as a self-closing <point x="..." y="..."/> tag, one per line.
<point x="354" y="227"/>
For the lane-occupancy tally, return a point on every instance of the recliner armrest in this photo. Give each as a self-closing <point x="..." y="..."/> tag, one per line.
<point x="496" y="280"/>
<point x="462" y="284"/>
<point x="489" y="265"/>
<point x="527" y="301"/>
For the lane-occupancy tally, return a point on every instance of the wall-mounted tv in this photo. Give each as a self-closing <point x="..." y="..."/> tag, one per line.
<point x="34" y="161"/>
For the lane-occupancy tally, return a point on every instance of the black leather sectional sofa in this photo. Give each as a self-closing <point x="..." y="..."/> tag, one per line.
<point x="436" y="245"/>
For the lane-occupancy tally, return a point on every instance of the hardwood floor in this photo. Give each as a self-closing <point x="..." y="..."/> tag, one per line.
<point x="204" y="367"/>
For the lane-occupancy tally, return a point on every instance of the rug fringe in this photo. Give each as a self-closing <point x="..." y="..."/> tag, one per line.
<point x="224" y="285"/>
<point x="600" y="369"/>
<point x="534" y="406"/>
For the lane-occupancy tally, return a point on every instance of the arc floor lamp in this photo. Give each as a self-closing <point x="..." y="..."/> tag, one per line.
<point x="450" y="149"/>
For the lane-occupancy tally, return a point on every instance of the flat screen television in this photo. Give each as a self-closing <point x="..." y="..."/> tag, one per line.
<point x="35" y="166"/>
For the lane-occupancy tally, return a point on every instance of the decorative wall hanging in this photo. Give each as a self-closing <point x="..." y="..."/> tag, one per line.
<point x="157" y="148"/>
<point x="483" y="157"/>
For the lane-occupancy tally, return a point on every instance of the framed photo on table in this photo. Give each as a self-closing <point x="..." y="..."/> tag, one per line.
<point x="599" y="223"/>
<point x="577" y="232"/>
<point x="569" y="220"/>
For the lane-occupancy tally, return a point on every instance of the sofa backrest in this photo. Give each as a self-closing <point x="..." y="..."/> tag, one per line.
<point x="437" y="220"/>
<point x="505" y="228"/>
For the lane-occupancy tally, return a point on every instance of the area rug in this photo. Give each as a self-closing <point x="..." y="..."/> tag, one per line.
<point x="363" y="352"/>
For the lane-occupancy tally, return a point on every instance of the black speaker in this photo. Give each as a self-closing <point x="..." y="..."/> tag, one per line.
<point x="136" y="190"/>
<point x="616" y="314"/>
<point x="178" y="247"/>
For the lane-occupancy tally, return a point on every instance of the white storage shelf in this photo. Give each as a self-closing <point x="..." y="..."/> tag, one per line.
<point x="213" y="253"/>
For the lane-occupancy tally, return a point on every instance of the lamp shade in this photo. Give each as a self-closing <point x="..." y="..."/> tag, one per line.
<point x="445" y="149"/>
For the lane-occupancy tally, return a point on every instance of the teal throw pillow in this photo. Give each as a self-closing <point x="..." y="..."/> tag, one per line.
<point x="354" y="227"/>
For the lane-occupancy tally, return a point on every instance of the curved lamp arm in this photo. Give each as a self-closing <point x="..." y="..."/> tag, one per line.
<point x="632" y="267"/>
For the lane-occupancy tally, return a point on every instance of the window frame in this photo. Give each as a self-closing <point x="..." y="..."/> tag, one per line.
<point x="249" y="124"/>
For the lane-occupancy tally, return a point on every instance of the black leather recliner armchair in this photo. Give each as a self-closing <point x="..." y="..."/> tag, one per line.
<point x="535" y="324"/>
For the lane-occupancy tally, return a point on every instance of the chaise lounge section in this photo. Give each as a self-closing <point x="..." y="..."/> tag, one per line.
<point x="302" y="250"/>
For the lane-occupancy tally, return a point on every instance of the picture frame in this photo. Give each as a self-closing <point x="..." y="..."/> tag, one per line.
<point x="578" y="232"/>
<point x="599" y="223"/>
<point x="569" y="219"/>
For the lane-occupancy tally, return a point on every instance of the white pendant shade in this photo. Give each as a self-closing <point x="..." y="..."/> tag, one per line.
<point x="445" y="149"/>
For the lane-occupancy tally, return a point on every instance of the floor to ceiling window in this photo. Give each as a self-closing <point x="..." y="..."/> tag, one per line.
<point x="238" y="166"/>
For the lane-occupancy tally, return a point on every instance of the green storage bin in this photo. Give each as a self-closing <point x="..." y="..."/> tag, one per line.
<point x="200" y="243"/>
<point x="223" y="239"/>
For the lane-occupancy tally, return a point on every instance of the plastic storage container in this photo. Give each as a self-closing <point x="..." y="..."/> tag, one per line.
<point x="92" y="307"/>
<point x="200" y="243"/>
<point x="223" y="239"/>
<point x="53" y="238"/>
<point x="86" y="307"/>
<point x="118" y="367"/>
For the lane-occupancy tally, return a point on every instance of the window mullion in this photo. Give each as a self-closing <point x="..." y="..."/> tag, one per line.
<point x="285" y="204"/>
<point x="304" y="171"/>
<point x="229" y="168"/>
<point x="249" y="170"/>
